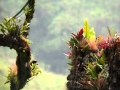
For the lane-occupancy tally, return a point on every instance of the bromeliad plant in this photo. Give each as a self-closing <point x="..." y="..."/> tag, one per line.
<point x="95" y="62"/>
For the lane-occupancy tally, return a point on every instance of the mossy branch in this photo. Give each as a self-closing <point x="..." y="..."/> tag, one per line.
<point x="14" y="36"/>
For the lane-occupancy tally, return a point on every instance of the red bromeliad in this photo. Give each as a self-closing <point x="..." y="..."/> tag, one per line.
<point x="80" y="33"/>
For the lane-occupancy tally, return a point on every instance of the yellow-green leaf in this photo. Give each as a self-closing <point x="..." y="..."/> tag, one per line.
<point x="89" y="33"/>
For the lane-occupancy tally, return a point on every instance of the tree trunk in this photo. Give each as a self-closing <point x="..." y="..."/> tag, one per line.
<point x="113" y="57"/>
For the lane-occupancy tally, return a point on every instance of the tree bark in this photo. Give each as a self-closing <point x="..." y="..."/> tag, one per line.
<point x="113" y="57"/>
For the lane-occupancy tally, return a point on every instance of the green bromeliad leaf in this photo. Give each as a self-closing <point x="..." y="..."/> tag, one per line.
<point x="73" y="42"/>
<point x="89" y="33"/>
<point x="101" y="61"/>
<point x="91" y="71"/>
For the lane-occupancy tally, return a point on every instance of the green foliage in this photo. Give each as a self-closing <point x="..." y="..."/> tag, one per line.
<point x="24" y="28"/>
<point x="101" y="60"/>
<point x="8" y="26"/>
<point x="97" y="68"/>
<point x="35" y="69"/>
<point x="27" y="10"/>
<point x="11" y="26"/>
<point x="91" y="71"/>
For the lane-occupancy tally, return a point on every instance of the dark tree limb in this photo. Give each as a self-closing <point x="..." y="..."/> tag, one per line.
<point x="23" y="58"/>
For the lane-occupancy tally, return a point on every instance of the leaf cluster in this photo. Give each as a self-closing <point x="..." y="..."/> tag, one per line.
<point x="12" y="26"/>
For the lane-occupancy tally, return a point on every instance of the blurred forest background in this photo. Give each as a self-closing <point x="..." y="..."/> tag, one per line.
<point x="53" y="22"/>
